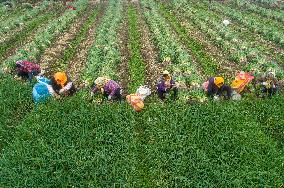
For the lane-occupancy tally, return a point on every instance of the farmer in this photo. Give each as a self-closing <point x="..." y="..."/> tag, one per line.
<point x="166" y="85"/>
<point x="62" y="84"/>
<point x="215" y="86"/>
<point x="26" y="69"/>
<point x="109" y="88"/>
<point x="268" y="83"/>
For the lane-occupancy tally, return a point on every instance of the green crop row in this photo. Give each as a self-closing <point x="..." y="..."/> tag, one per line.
<point x="20" y="36"/>
<point x="272" y="14"/>
<point x="227" y="38"/>
<point x="6" y="13"/>
<point x="104" y="54"/>
<point x="268" y="30"/>
<point x="208" y="64"/>
<point x="15" y="22"/>
<point x="170" y="46"/>
<point x="136" y="65"/>
<point x="43" y="38"/>
<point x="80" y="36"/>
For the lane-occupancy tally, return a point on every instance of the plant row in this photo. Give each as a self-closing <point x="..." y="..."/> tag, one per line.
<point x="5" y="13"/>
<point x="249" y="38"/>
<point x="80" y="36"/>
<point x="12" y="23"/>
<point x="170" y="47"/>
<point x="229" y="40"/>
<point x="20" y="36"/>
<point x="272" y="14"/>
<point x="104" y="56"/>
<point x="44" y="38"/>
<point x="137" y="67"/>
<point x="268" y="30"/>
<point x="208" y="64"/>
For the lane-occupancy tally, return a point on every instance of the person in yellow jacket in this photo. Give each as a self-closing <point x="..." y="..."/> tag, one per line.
<point x="62" y="84"/>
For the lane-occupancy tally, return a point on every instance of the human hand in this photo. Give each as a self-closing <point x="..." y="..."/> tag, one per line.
<point x="109" y="97"/>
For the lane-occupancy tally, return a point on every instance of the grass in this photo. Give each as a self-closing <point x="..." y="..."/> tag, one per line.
<point x="15" y="102"/>
<point x="76" y="143"/>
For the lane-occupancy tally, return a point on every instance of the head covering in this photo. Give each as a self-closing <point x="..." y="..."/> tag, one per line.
<point x="19" y="63"/>
<point x="167" y="59"/>
<point x="60" y="78"/>
<point x="165" y="72"/>
<point x="166" y="75"/>
<point x="219" y="81"/>
<point x="101" y="81"/>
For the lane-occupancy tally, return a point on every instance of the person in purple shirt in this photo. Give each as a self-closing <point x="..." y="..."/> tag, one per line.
<point x="108" y="88"/>
<point x="166" y="85"/>
<point x="216" y="86"/>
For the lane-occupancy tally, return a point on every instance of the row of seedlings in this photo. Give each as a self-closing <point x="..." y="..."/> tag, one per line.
<point x="240" y="51"/>
<point x="44" y="38"/>
<point x="185" y="72"/>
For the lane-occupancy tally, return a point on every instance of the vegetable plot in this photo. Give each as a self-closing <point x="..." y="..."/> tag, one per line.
<point x="168" y="43"/>
<point x="228" y="39"/>
<point x="136" y="65"/>
<point x="34" y="49"/>
<point x="104" y="55"/>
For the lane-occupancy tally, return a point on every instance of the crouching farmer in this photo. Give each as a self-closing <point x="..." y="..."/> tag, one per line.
<point x="109" y="88"/>
<point x="215" y="87"/>
<point x="268" y="84"/>
<point x="62" y="84"/>
<point x="166" y="86"/>
<point x="27" y="70"/>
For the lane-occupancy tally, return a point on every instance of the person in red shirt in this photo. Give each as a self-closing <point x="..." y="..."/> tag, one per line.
<point x="26" y="69"/>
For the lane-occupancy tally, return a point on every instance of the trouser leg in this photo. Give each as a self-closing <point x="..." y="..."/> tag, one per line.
<point x="161" y="95"/>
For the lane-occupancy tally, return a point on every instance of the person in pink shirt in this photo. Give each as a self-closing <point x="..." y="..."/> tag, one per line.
<point x="26" y="69"/>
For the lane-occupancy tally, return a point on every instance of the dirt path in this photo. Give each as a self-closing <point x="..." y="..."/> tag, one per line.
<point x="78" y="62"/>
<point x="51" y="57"/>
<point x="149" y="51"/>
<point x="123" y="37"/>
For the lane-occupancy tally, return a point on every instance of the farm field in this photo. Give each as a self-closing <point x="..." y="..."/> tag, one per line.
<point x="76" y="142"/>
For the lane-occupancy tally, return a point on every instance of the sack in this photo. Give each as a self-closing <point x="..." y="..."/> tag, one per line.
<point x="143" y="91"/>
<point x="135" y="101"/>
<point x="241" y="81"/>
<point x="43" y="80"/>
<point x="40" y="92"/>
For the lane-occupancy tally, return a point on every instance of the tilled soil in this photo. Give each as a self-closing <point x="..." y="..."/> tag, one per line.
<point x="122" y="68"/>
<point x="78" y="62"/>
<point x="31" y="36"/>
<point x="51" y="57"/>
<point x="149" y="51"/>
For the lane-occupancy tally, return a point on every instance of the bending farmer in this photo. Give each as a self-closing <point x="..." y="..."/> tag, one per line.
<point x="166" y="85"/>
<point x="109" y="88"/>
<point x="216" y="86"/>
<point x="62" y="84"/>
<point x="27" y="70"/>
